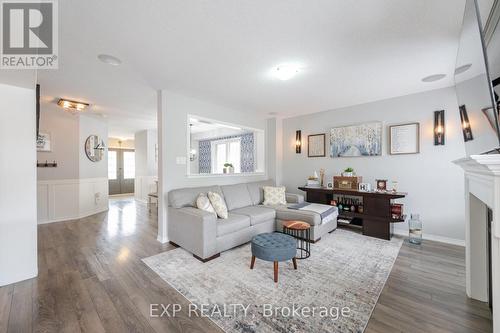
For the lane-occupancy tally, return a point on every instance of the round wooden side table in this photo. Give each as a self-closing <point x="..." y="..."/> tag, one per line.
<point x="301" y="232"/>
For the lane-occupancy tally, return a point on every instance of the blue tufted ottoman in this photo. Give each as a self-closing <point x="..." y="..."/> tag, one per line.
<point x="274" y="247"/>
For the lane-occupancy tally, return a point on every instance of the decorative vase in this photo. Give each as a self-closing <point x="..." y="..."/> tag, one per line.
<point x="415" y="226"/>
<point x="347" y="174"/>
<point x="228" y="170"/>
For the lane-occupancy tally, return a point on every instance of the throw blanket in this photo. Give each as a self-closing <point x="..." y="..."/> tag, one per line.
<point x="323" y="210"/>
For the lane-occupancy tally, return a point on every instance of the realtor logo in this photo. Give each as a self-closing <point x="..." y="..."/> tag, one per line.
<point x="29" y="34"/>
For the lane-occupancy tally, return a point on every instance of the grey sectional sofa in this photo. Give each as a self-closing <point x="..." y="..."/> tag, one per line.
<point x="206" y="236"/>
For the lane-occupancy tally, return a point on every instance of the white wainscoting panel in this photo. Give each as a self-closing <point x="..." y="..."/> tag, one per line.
<point x="143" y="186"/>
<point x="68" y="199"/>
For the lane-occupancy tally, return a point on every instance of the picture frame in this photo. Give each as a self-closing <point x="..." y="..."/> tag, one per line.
<point x="316" y="145"/>
<point x="381" y="184"/>
<point x="364" y="187"/>
<point x="404" y="139"/>
<point x="356" y="140"/>
<point x="43" y="142"/>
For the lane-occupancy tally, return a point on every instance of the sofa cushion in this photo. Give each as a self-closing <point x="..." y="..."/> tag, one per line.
<point x="256" y="190"/>
<point x="257" y="214"/>
<point x="186" y="197"/>
<point x="203" y="203"/>
<point x="236" y="196"/>
<point x="286" y="214"/>
<point x="274" y="195"/>
<point x="219" y="204"/>
<point x="233" y="223"/>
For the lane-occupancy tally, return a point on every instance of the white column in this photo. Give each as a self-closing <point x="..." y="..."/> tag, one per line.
<point x="163" y="185"/>
<point x="279" y="151"/>
<point x="18" y="191"/>
<point x="275" y="149"/>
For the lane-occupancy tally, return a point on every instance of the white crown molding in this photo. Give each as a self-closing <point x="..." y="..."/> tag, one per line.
<point x="481" y="164"/>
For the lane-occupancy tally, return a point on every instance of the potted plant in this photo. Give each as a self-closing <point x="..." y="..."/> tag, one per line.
<point x="349" y="172"/>
<point x="228" y="168"/>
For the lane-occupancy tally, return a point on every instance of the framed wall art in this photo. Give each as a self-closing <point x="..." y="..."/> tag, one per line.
<point x="316" y="145"/>
<point x="404" y="139"/>
<point x="356" y="140"/>
<point x="43" y="142"/>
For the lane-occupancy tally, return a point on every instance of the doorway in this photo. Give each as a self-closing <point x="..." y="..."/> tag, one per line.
<point x="121" y="171"/>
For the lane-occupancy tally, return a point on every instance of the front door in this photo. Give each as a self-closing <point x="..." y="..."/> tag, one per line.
<point x="121" y="171"/>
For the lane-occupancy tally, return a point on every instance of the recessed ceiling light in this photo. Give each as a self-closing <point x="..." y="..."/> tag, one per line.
<point x="286" y="71"/>
<point x="109" y="59"/>
<point x="433" y="78"/>
<point x="461" y="69"/>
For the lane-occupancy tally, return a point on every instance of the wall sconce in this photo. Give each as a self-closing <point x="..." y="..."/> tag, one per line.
<point x="439" y="128"/>
<point x="298" y="142"/>
<point x="465" y="124"/>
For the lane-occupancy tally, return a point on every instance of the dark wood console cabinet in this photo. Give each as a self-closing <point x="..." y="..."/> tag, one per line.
<point x="376" y="218"/>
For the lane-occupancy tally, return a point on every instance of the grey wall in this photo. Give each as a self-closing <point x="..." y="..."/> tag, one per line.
<point x="63" y="128"/>
<point x="141" y="153"/>
<point x="92" y="126"/>
<point x="68" y="134"/>
<point x="474" y="94"/>
<point x="175" y="125"/>
<point x="434" y="184"/>
<point x="145" y="161"/>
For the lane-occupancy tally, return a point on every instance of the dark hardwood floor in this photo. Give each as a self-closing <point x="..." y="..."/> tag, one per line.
<point x="91" y="279"/>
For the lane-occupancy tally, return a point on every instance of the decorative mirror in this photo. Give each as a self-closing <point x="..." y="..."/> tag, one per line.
<point x="94" y="148"/>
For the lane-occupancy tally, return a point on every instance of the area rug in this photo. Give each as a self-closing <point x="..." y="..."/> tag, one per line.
<point x="335" y="290"/>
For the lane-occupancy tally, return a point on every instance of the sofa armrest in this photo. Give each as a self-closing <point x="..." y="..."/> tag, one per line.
<point x="194" y="230"/>
<point x="294" y="198"/>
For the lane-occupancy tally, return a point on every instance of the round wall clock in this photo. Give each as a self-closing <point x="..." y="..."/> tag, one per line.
<point x="93" y="148"/>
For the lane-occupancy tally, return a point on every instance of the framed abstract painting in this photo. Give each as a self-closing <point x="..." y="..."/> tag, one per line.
<point x="356" y="140"/>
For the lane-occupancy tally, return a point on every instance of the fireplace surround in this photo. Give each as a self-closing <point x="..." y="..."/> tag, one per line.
<point x="482" y="192"/>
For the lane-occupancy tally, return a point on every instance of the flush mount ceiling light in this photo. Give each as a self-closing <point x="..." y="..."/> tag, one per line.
<point x="286" y="71"/>
<point x="109" y="59"/>
<point x="72" y="105"/>
<point x="461" y="69"/>
<point x="433" y="78"/>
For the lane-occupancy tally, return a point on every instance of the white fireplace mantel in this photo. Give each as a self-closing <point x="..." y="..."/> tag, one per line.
<point x="482" y="181"/>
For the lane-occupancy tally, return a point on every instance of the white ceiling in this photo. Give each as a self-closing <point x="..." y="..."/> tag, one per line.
<point x="352" y="52"/>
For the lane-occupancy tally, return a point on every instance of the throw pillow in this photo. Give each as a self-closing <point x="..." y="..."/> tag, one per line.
<point x="219" y="204"/>
<point x="274" y="195"/>
<point x="203" y="203"/>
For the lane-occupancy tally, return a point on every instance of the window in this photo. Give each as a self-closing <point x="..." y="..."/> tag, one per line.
<point x="112" y="164"/>
<point x="226" y="151"/>
<point x="128" y="165"/>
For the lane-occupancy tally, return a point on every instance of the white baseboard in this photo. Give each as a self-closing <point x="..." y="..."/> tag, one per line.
<point x="70" y="199"/>
<point x="435" y="238"/>
<point x="75" y="218"/>
<point x="162" y="240"/>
